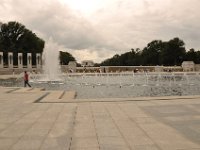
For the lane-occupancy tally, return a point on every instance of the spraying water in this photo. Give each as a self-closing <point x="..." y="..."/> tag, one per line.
<point x="51" y="65"/>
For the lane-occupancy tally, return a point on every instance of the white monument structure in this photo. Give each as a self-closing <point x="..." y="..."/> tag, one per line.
<point x="38" y="60"/>
<point x="1" y="59"/>
<point x="188" y="66"/>
<point x="87" y="63"/>
<point x="20" y="60"/>
<point x="10" y="60"/>
<point x="15" y="62"/>
<point x="72" y="66"/>
<point x="29" y="60"/>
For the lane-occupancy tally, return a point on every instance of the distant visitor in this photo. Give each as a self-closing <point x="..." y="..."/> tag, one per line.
<point x="26" y="79"/>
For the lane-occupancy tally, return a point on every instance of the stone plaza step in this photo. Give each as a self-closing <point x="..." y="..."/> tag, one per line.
<point x="28" y="90"/>
<point x="68" y="95"/>
<point x="37" y="89"/>
<point x="23" y="90"/>
<point x="53" y="96"/>
<point x="7" y="89"/>
<point x="59" y="96"/>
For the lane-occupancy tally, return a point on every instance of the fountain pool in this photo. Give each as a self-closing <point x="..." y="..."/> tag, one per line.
<point x="120" y="85"/>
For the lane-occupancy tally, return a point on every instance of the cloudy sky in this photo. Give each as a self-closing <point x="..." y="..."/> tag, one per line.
<point x="98" y="29"/>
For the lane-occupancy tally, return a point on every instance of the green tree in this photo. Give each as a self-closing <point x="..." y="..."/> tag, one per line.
<point x="173" y="52"/>
<point x="167" y="53"/>
<point x="191" y="55"/>
<point x="65" y="57"/>
<point x="14" y="37"/>
<point x="197" y="57"/>
<point x="114" y="61"/>
<point x="135" y="57"/>
<point x="131" y="57"/>
<point x="127" y="59"/>
<point x="151" y="54"/>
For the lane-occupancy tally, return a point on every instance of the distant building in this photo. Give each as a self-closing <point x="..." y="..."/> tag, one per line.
<point x="72" y="66"/>
<point x="87" y="63"/>
<point x="188" y="66"/>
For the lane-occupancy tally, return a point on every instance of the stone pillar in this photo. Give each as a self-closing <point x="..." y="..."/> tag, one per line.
<point x="20" y="60"/>
<point x="29" y="60"/>
<point x="1" y="59"/>
<point x="10" y="60"/>
<point x="38" y="61"/>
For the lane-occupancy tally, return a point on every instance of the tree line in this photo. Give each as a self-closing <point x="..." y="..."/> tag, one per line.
<point x="16" y="38"/>
<point x="157" y="52"/>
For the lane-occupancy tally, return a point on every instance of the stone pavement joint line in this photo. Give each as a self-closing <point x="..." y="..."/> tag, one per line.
<point x="70" y="95"/>
<point x="73" y="125"/>
<point x="12" y="90"/>
<point x="34" y="119"/>
<point x="100" y="100"/>
<point x="42" y="97"/>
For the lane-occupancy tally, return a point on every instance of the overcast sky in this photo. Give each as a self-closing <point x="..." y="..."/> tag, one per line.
<point x="98" y="29"/>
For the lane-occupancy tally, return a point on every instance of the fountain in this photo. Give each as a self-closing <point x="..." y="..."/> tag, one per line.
<point x="118" y="84"/>
<point x="123" y="84"/>
<point x="51" y="67"/>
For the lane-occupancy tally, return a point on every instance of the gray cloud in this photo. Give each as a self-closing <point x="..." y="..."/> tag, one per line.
<point x="115" y="28"/>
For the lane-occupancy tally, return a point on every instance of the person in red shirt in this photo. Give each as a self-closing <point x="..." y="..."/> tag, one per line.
<point x="26" y="79"/>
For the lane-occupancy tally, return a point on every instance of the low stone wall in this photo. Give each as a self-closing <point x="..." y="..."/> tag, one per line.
<point x="103" y="69"/>
<point x="8" y="71"/>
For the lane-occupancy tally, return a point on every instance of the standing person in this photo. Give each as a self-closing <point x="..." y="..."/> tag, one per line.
<point x="26" y="79"/>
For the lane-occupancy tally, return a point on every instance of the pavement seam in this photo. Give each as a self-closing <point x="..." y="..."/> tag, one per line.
<point x="94" y="122"/>
<point x="127" y="143"/>
<point x="61" y="96"/>
<point x="19" y="119"/>
<point x="41" y="97"/>
<point x="51" y="127"/>
<point x="113" y="100"/>
<point x="13" y="90"/>
<point x="29" y="128"/>
<point x="139" y="126"/>
<point x="73" y="126"/>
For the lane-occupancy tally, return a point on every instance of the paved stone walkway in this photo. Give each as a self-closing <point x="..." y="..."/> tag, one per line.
<point x="30" y="120"/>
